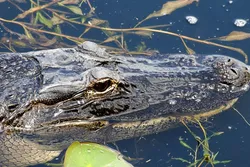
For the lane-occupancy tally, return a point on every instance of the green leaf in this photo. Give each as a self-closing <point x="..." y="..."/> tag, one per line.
<point x="19" y="43"/>
<point x="28" y="34"/>
<point x="182" y="160"/>
<point x="214" y="134"/>
<point x="36" y="19"/>
<point x="82" y="3"/>
<point x="56" y="20"/>
<point x="57" y="29"/>
<point x="221" y="162"/>
<point x="44" y="20"/>
<point x="70" y="2"/>
<point x="185" y="144"/>
<point x="194" y="164"/>
<point x="217" y="133"/>
<point x="141" y="47"/>
<point x="83" y="19"/>
<point x="215" y="155"/>
<point x="74" y="9"/>
<point x="93" y="155"/>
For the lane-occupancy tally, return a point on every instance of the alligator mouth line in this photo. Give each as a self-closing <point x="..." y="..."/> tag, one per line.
<point x="160" y="120"/>
<point x="156" y="122"/>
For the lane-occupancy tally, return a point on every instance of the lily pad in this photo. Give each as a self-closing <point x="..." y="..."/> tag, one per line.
<point x="93" y="155"/>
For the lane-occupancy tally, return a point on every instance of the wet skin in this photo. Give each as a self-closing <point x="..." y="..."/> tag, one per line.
<point x="51" y="98"/>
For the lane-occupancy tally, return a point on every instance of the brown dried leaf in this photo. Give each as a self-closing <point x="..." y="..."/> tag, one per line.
<point x="111" y="39"/>
<point x="35" y="9"/>
<point x="49" y="42"/>
<point x="95" y="22"/>
<point x="21" y="1"/>
<point x="66" y="2"/>
<point x="125" y="45"/>
<point x="235" y="36"/>
<point x="57" y="20"/>
<point x="143" y="33"/>
<point x="168" y="8"/>
<point x="171" y="6"/>
<point x="188" y="50"/>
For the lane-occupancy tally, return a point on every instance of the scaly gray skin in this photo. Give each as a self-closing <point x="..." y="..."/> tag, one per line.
<point x="51" y="98"/>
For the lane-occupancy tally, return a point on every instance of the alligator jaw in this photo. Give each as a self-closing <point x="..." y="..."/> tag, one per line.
<point x="116" y="130"/>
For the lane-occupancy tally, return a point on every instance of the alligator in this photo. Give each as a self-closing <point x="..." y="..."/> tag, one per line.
<point x="53" y="97"/>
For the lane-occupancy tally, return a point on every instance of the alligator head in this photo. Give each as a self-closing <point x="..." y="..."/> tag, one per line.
<point x="83" y="93"/>
<point x="87" y="84"/>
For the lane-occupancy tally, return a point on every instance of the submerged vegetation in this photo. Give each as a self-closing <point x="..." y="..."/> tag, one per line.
<point x="42" y="28"/>
<point x="201" y="153"/>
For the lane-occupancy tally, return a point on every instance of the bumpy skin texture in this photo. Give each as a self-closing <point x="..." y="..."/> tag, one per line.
<point x="51" y="98"/>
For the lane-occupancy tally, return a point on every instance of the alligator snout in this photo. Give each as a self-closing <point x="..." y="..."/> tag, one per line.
<point x="232" y="72"/>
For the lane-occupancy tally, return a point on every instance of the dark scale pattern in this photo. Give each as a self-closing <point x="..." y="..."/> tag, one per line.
<point x="160" y="91"/>
<point x="20" y="79"/>
<point x="12" y="145"/>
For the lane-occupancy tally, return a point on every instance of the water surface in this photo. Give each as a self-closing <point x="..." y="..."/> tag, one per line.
<point x="215" y="19"/>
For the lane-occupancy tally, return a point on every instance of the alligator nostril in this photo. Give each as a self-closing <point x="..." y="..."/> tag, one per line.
<point x="229" y="62"/>
<point x="234" y="71"/>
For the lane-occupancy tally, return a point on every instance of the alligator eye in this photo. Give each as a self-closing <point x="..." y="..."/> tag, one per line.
<point x="101" y="86"/>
